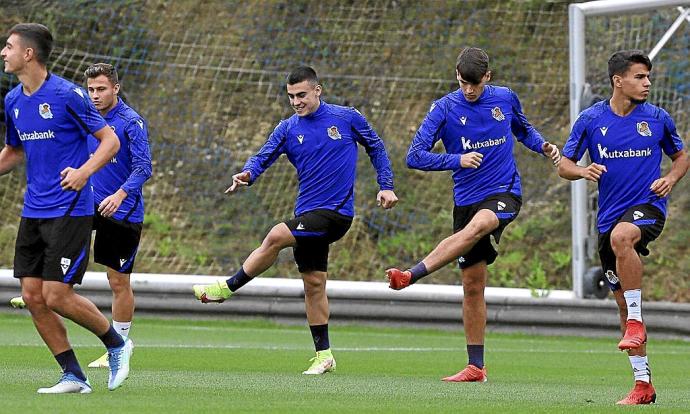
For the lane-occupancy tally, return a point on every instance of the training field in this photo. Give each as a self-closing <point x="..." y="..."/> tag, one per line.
<point x="255" y="366"/>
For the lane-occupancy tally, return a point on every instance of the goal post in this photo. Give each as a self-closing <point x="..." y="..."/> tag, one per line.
<point x="582" y="240"/>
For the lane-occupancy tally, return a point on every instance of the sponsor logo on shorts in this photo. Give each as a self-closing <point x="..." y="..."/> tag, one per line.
<point x="643" y="129"/>
<point x="300" y="226"/>
<point x="461" y="259"/>
<point x="64" y="264"/>
<point x="501" y="206"/>
<point x="122" y="262"/>
<point x="44" y="111"/>
<point x="637" y="215"/>
<point x="611" y="276"/>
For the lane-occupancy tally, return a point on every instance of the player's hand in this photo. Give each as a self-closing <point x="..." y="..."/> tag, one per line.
<point x="386" y="199"/>
<point x="662" y="186"/>
<point x="239" y="180"/>
<point x="471" y="160"/>
<point x="73" y="179"/>
<point x="110" y="204"/>
<point x="593" y="172"/>
<point x="552" y="152"/>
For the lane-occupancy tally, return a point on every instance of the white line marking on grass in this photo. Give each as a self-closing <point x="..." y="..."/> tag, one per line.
<point x="349" y="349"/>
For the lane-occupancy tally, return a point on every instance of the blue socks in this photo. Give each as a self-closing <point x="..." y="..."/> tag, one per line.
<point x="240" y="279"/>
<point x="418" y="271"/>
<point x="112" y="339"/>
<point x="68" y="362"/>
<point x="320" y="335"/>
<point x="476" y="355"/>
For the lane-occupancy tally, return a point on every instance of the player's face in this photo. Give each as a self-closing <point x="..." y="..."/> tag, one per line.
<point x="304" y="97"/>
<point x="635" y="83"/>
<point x="13" y="54"/>
<point x="472" y="91"/>
<point x="102" y="92"/>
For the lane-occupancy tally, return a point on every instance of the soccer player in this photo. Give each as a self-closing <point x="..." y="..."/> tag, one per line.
<point x="320" y="140"/>
<point x="476" y="124"/>
<point x="118" y="194"/>
<point x="48" y="120"/>
<point x="626" y="137"/>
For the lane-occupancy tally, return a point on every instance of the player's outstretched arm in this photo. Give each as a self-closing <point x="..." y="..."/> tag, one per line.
<point x="679" y="167"/>
<point x="76" y="179"/>
<point x="239" y="180"/>
<point x="570" y="171"/>
<point x="10" y="157"/>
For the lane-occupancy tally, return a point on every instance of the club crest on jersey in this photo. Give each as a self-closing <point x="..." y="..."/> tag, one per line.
<point x="463" y="120"/>
<point x="44" y="111"/>
<point x="300" y="138"/>
<point x="604" y="130"/>
<point x="16" y="113"/>
<point x="333" y="132"/>
<point x="611" y="277"/>
<point x="64" y="264"/>
<point x="643" y="129"/>
<point x="497" y="114"/>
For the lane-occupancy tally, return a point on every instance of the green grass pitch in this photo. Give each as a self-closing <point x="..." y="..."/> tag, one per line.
<point x="255" y="367"/>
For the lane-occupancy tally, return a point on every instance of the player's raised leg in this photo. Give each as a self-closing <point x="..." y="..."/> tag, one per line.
<point x="278" y="238"/>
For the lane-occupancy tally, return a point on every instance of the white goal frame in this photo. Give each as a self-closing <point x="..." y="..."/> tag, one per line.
<point x="577" y="14"/>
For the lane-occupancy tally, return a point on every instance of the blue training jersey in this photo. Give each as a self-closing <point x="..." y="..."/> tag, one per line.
<point x="51" y="126"/>
<point x="486" y="126"/>
<point x="323" y="148"/>
<point x="630" y="147"/>
<point x="129" y="168"/>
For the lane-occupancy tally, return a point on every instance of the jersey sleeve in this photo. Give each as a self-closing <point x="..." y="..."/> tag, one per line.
<point x="373" y="144"/>
<point x="419" y="155"/>
<point x="671" y="142"/>
<point x="11" y="136"/>
<point x="83" y="112"/>
<point x="578" y="141"/>
<point x="522" y="129"/>
<point x="269" y="152"/>
<point x="137" y="133"/>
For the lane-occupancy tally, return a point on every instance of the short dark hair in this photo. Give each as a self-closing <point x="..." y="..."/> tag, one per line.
<point x="105" y="69"/>
<point x="301" y="74"/>
<point x="620" y="62"/>
<point x="38" y="38"/>
<point x="472" y="64"/>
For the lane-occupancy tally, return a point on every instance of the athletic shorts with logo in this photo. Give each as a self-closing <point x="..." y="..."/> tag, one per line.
<point x="116" y="243"/>
<point x="54" y="249"/>
<point x="506" y="206"/>
<point x="649" y="219"/>
<point x="314" y="232"/>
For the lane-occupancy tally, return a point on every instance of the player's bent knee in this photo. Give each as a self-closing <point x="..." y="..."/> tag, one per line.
<point x="33" y="299"/>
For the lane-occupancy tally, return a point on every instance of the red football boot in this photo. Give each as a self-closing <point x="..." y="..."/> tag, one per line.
<point x="398" y="279"/>
<point x="635" y="335"/>
<point x="642" y="393"/>
<point x="469" y="374"/>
